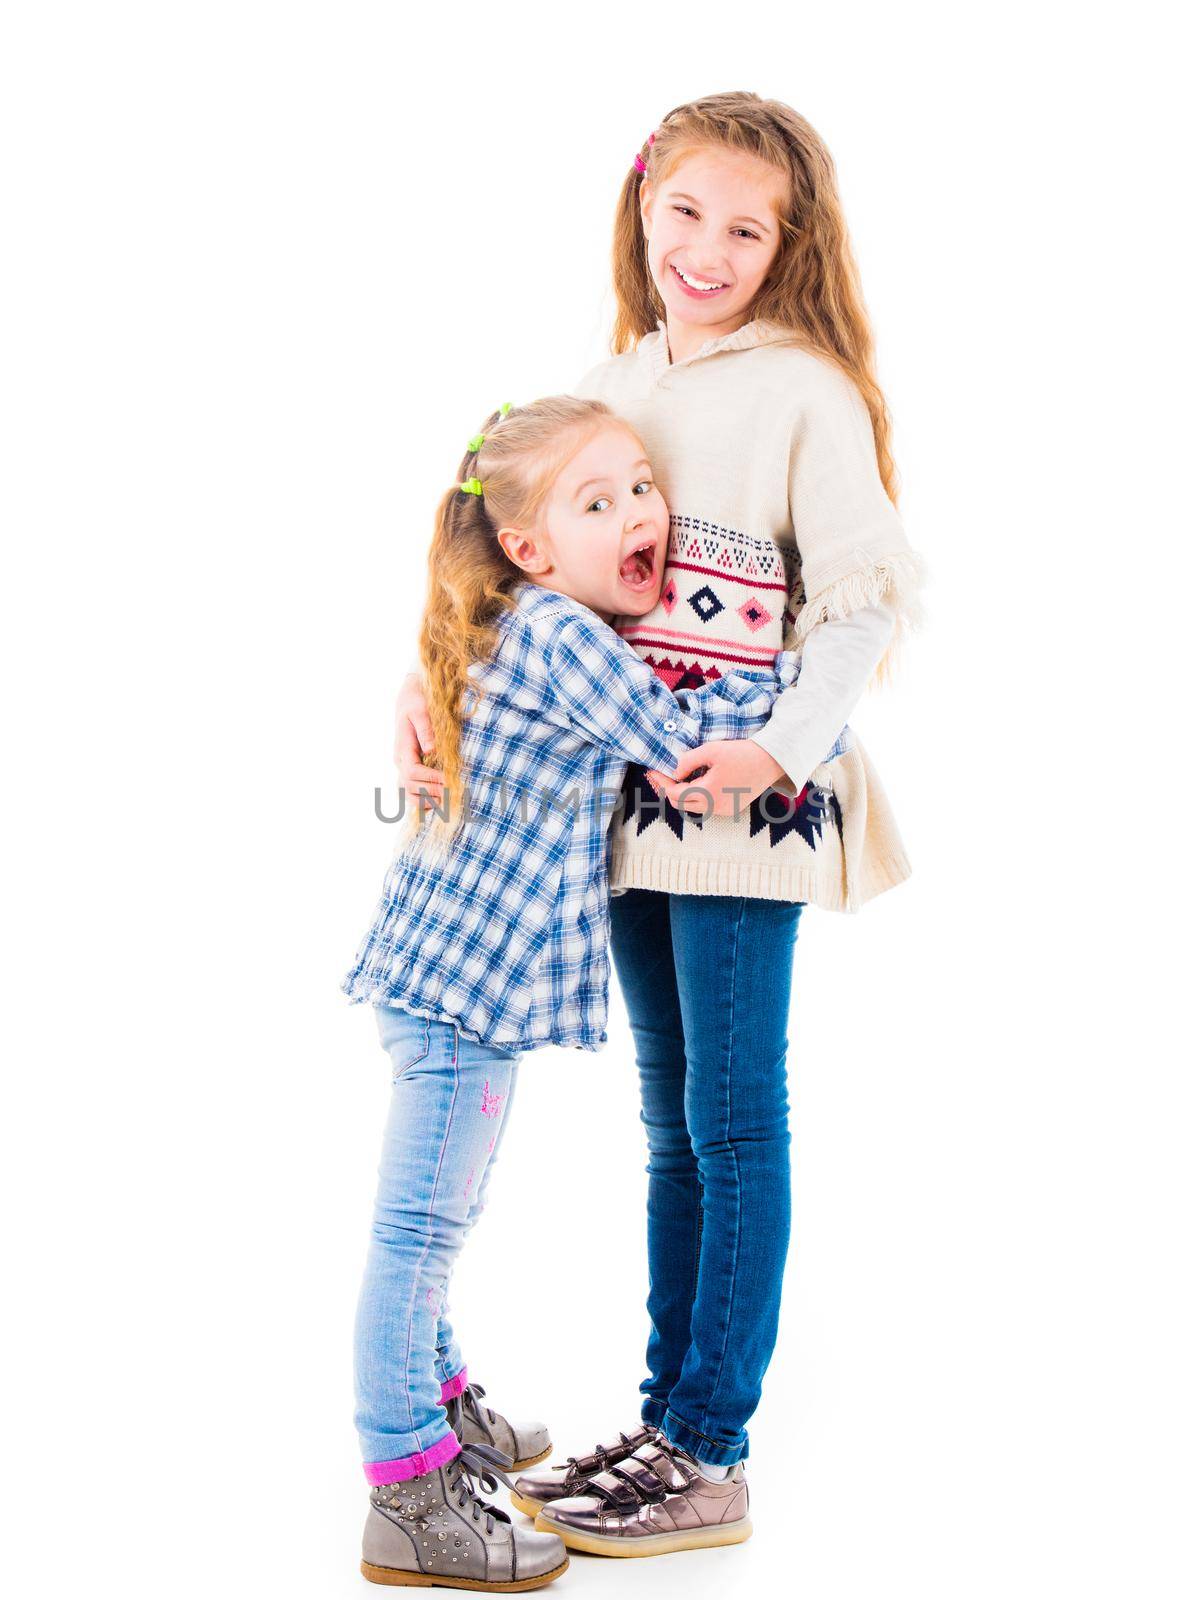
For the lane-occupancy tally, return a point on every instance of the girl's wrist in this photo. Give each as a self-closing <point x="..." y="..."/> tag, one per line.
<point x="770" y="765"/>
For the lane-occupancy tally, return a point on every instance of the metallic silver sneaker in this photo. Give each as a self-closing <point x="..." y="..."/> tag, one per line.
<point x="525" y="1444"/>
<point x="533" y="1490"/>
<point x="655" y="1501"/>
<point x="436" y="1531"/>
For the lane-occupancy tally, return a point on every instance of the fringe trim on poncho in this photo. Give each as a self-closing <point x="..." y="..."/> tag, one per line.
<point x="894" y="581"/>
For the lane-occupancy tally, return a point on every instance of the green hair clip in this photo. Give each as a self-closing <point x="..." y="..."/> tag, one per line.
<point x="477" y="442"/>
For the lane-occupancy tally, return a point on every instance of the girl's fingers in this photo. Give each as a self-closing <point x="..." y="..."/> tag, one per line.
<point x="695" y="799"/>
<point x="428" y="779"/>
<point x="406" y="746"/>
<point x="424" y="727"/>
<point x="692" y="762"/>
<point x="414" y="775"/>
<point x="413" y="734"/>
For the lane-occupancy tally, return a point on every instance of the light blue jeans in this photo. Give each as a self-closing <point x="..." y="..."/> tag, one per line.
<point x="451" y="1099"/>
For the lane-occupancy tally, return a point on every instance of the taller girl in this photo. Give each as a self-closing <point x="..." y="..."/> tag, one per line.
<point x="743" y="358"/>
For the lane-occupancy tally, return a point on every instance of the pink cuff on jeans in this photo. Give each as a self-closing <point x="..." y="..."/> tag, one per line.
<point x="453" y="1386"/>
<point x="412" y="1466"/>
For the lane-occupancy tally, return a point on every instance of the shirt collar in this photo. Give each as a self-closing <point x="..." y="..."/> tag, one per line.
<point x="652" y="347"/>
<point x="528" y="595"/>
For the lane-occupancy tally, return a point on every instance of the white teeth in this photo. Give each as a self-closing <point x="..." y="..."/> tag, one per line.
<point x="695" y="283"/>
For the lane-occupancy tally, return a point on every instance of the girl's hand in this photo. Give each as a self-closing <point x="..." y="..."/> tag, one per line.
<point x="414" y="734"/>
<point x="733" y="765"/>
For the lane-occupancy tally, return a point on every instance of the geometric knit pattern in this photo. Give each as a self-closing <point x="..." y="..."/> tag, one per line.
<point x="728" y="601"/>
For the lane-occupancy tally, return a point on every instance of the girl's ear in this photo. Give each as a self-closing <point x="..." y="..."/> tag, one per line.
<point x="646" y="199"/>
<point x="521" y="550"/>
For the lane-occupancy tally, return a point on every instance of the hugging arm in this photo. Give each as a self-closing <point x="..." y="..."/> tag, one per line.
<point x="412" y="734"/>
<point x="599" y="686"/>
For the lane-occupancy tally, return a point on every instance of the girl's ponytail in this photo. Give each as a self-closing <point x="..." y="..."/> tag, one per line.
<point x="638" y="304"/>
<point x="469" y="579"/>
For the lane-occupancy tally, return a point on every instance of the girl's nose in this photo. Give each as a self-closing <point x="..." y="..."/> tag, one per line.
<point x="710" y="255"/>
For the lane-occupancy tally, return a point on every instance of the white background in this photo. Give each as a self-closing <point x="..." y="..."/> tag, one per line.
<point x="266" y="267"/>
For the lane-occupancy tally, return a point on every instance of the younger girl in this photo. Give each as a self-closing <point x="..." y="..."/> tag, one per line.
<point x="491" y="934"/>
<point x="743" y="357"/>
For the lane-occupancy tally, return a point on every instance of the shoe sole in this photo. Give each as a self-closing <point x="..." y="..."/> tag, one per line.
<point x="420" y="1580"/>
<point x="653" y="1544"/>
<point x="524" y="1503"/>
<point x="529" y="1461"/>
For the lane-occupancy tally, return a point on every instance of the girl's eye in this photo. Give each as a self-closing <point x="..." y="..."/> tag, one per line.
<point x="644" y="487"/>
<point x="601" y="500"/>
<point x="742" y="233"/>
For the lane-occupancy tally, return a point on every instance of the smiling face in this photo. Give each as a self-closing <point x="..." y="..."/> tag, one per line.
<point x="712" y="229"/>
<point x="602" y="532"/>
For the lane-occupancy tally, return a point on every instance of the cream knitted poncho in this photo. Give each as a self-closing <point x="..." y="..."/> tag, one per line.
<point x="779" y="522"/>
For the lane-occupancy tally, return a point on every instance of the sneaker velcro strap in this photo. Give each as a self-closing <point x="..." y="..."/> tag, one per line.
<point x="673" y="1471"/>
<point x="642" y="1475"/>
<point x="614" y="1490"/>
<point x="604" y="1455"/>
<point x="660" y="1463"/>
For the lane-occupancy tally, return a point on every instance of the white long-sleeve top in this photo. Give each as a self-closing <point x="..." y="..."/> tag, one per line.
<point x="838" y="661"/>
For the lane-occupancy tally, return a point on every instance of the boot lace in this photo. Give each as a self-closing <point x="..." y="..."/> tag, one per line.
<point x="479" y="1467"/>
<point x="467" y="1404"/>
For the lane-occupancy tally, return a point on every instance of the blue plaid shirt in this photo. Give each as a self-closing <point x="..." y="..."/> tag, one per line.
<point x="506" y="933"/>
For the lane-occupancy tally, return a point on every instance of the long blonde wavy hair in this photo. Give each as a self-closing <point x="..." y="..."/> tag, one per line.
<point x="471" y="579"/>
<point x="813" y="285"/>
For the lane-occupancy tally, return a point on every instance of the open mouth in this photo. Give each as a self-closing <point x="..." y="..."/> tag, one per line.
<point x="700" y="286"/>
<point x="637" y="571"/>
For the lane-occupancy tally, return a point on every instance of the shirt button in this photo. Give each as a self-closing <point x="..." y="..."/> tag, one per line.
<point x="671" y="725"/>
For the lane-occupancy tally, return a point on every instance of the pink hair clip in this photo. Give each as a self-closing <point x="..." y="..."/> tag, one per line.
<point x="638" y="161"/>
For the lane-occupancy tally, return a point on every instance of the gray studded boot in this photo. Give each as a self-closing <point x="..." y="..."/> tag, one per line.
<point x="436" y="1531"/>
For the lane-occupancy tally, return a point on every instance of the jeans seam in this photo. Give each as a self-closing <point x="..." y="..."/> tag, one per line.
<point x="696" y="1249"/>
<point x="725" y="1346"/>
<point x="429" y="1231"/>
<point x="650" y="904"/>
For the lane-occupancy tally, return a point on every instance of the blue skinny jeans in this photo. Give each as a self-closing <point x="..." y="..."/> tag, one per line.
<point x="706" y="981"/>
